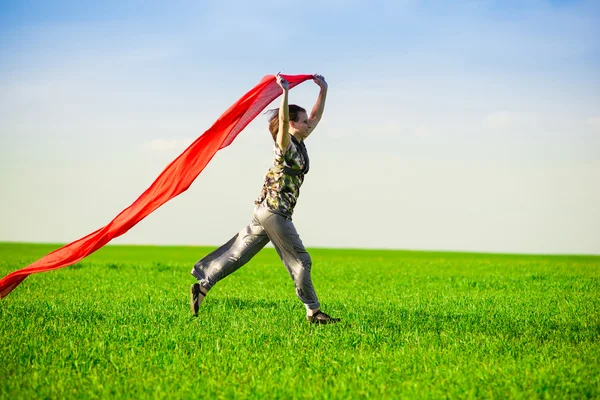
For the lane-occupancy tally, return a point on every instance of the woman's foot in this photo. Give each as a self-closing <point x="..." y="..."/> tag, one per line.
<point x="196" y="297"/>
<point x="321" y="318"/>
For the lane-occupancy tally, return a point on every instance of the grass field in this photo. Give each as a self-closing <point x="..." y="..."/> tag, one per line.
<point x="414" y="325"/>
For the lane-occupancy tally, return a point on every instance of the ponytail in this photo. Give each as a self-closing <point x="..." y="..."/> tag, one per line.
<point x="273" y="115"/>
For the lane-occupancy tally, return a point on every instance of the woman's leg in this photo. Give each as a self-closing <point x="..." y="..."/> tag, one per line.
<point x="231" y="256"/>
<point x="286" y="240"/>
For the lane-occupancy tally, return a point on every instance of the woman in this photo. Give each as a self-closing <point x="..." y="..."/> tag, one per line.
<point x="272" y="219"/>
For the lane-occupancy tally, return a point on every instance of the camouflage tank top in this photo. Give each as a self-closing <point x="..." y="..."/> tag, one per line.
<point x="282" y="183"/>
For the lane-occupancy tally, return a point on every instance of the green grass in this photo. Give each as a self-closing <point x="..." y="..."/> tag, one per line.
<point x="415" y="325"/>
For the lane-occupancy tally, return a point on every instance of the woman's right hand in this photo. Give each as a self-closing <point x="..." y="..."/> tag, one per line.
<point x="320" y="80"/>
<point x="282" y="82"/>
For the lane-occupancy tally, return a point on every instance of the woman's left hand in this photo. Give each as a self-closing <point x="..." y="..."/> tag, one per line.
<point x="320" y="80"/>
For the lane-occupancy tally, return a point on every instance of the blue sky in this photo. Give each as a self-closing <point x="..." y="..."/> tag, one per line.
<point x="467" y="125"/>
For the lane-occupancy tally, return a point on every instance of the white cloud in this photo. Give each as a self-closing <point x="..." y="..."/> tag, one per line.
<point x="594" y="122"/>
<point x="507" y="119"/>
<point x="168" y="144"/>
<point x="422" y="131"/>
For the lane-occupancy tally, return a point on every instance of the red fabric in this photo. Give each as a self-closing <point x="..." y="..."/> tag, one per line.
<point x="175" y="179"/>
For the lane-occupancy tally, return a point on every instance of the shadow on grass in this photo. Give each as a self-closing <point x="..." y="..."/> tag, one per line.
<point x="235" y="307"/>
<point x="243" y="303"/>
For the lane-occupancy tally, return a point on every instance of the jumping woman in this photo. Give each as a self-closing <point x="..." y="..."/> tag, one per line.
<point x="272" y="220"/>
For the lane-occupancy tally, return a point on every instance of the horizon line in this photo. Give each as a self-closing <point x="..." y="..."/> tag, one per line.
<point x="499" y="253"/>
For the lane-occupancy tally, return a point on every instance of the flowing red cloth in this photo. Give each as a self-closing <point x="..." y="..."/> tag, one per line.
<point x="175" y="179"/>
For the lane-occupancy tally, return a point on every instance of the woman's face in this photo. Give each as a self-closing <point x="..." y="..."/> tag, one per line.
<point x="300" y="128"/>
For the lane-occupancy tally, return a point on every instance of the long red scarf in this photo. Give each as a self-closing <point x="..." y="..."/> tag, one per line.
<point x="175" y="179"/>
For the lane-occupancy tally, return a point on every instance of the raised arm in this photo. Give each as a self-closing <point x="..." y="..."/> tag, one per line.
<point x="317" y="111"/>
<point x="283" y="135"/>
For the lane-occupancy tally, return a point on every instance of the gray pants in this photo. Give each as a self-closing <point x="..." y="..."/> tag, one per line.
<point x="265" y="226"/>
